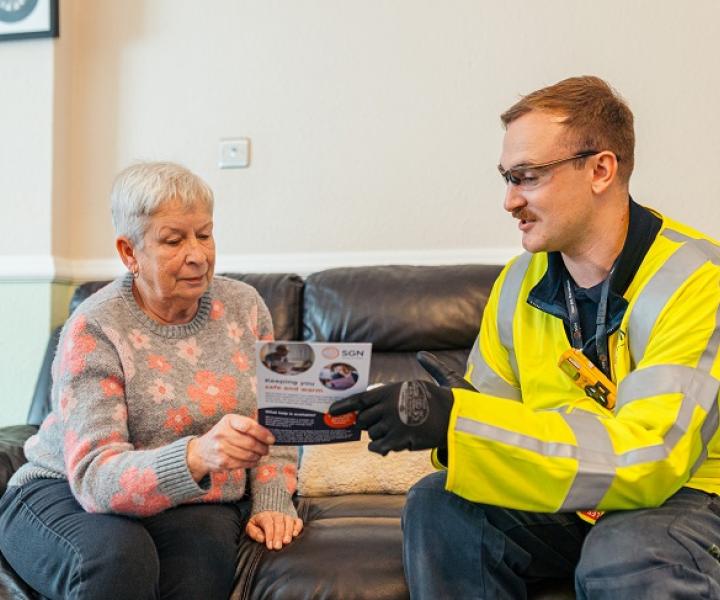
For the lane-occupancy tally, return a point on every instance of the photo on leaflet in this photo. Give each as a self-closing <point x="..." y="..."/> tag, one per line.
<point x="338" y="376"/>
<point x="287" y="359"/>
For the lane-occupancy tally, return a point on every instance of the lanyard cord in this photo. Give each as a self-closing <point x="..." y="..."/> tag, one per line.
<point x="601" y="343"/>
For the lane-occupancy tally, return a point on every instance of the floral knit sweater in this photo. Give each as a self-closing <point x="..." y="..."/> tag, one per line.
<point x="129" y="393"/>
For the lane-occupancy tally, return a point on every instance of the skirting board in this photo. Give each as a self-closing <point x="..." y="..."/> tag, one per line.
<point x="48" y="269"/>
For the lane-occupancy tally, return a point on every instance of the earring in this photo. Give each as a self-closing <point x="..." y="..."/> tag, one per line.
<point x="135" y="272"/>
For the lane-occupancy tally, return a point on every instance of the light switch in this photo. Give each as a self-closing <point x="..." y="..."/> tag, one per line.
<point x="234" y="153"/>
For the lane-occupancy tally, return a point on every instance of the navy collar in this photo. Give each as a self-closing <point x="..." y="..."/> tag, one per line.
<point x="548" y="294"/>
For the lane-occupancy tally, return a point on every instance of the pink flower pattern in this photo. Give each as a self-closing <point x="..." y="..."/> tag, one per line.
<point x="265" y="473"/>
<point x="189" y="350"/>
<point x="76" y="346"/>
<point x="217" y="481"/>
<point x="234" y="332"/>
<point x="240" y="360"/>
<point x="253" y="321"/>
<point x="290" y="475"/>
<point x="49" y="421"/>
<point x="217" y="311"/>
<point x="75" y="450"/>
<point x="68" y="402"/>
<point x="112" y="386"/>
<point x="140" y="494"/>
<point x="178" y="419"/>
<point x="212" y="392"/>
<point x="159" y="363"/>
<point x="161" y="391"/>
<point x="139" y="340"/>
<point x="114" y="438"/>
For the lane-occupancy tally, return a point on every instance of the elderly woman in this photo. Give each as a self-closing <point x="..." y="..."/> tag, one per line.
<point x="135" y="482"/>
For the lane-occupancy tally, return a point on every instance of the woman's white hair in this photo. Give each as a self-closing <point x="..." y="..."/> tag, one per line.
<point x="140" y="190"/>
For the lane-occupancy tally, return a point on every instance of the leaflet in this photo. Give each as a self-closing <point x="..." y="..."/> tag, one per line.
<point x="298" y="381"/>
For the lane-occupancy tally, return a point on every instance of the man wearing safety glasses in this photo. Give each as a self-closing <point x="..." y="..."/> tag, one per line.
<point x="583" y="440"/>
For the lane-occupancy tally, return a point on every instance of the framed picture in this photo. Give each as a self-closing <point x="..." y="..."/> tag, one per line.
<point x="21" y="19"/>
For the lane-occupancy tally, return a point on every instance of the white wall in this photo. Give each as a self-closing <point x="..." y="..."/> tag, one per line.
<point x="374" y="123"/>
<point x="26" y="100"/>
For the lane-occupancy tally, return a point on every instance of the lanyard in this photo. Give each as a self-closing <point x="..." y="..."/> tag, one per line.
<point x="576" y="338"/>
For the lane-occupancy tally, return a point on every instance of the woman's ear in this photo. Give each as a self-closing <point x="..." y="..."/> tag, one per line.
<point x="604" y="171"/>
<point x="126" y="251"/>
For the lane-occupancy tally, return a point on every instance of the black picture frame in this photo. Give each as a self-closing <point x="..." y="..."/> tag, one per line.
<point x="31" y="19"/>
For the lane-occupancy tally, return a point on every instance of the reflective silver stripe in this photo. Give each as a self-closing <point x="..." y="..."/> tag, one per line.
<point x="486" y="380"/>
<point x="513" y="438"/>
<point x="663" y="284"/>
<point x="712" y="250"/>
<point x="707" y="360"/>
<point x="709" y="428"/>
<point x="698" y="388"/>
<point x="596" y="462"/>
<point x="507" y="303"/>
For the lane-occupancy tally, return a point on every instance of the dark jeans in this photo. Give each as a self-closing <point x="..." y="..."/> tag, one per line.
<point x="64" y="552"/>
<point x="453" y="548"/>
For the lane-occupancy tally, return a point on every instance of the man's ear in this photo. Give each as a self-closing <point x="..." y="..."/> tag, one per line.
<point x="126" y="250"/>
<point x="604" y="172"/>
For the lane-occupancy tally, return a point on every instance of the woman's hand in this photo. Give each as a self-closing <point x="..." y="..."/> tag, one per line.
<point x="234" y="442"/>
<point x="275" y="529"/>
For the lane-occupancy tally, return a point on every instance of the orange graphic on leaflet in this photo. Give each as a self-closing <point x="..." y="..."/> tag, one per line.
<point x="339" y="422"/>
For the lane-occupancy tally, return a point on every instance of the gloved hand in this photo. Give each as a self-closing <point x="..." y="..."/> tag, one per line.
<point x="411" y="415"/>
<point x="444" y="376"/>
<point x="447" y="378"/>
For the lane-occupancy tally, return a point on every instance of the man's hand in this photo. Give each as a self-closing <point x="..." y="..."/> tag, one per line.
<point x="411" y="415"/>
<point x="444" y="376"/>
<point x="274" y="529"/>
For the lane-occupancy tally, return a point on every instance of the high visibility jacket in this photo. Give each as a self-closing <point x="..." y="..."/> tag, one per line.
<point x="531" y="439"/>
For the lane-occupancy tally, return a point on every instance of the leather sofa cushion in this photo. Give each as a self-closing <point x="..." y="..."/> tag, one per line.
<point x="350" y="548"/>
<point x="398" y="307"/>
<point x="12" y="457"/>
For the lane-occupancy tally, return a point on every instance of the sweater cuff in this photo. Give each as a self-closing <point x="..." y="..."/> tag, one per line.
<point x="274" y="499"/>
<point x="174" y="478"/>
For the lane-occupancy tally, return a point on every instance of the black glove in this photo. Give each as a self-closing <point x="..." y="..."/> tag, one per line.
<point x="447" y="378"/>
<point x="444" y="376"/>
<point x="411" y="415"/>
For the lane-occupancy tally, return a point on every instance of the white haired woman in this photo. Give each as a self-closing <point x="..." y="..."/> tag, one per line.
<point x="134" y="484"/>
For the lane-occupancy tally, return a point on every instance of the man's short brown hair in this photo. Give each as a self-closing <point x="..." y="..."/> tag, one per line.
<point x="596" y="117"/>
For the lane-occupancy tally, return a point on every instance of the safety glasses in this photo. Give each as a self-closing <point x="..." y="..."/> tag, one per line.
<point x="530" y="176"/>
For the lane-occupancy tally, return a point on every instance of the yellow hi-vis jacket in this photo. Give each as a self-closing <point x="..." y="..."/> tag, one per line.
<point x="531" y="439"/>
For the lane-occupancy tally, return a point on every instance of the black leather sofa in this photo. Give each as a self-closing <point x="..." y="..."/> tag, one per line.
<point x="351" y="545"/>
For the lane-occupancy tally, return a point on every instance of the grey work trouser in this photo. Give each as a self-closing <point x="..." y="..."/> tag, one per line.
<point x="453" y="548"/>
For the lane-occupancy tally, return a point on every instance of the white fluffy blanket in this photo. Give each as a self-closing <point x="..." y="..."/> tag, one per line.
<point x="349" y="468"/>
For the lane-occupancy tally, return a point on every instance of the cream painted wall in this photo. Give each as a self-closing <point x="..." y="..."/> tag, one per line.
<point x="374" y="126"/>
<point x="26" y="100"/>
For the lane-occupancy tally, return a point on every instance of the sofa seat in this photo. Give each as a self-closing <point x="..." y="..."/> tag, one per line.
<point x="350" y="549"/>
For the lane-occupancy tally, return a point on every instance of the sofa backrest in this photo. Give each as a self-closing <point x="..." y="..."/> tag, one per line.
<point x="399" y="309"/>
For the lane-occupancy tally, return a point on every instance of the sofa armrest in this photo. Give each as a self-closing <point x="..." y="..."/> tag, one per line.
<point x="12" y="440"/>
